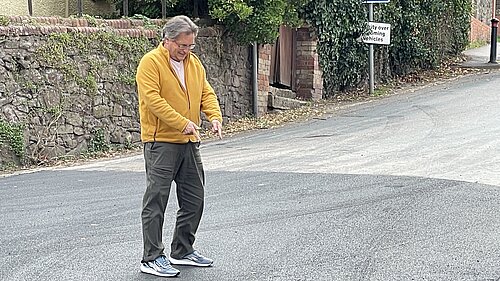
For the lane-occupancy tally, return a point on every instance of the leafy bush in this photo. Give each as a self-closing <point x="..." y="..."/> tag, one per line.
<point x="152" y="8"/>
<point x="256" y="20"/>
<point x="338" y="25"/>
<point x="248" y="20"/>
<point x="423" y="34"/>
<point x="420" y="39"/>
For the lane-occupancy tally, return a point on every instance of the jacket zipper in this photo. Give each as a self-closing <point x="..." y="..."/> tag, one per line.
<point x="156" y="129"/>
<point x="180" y="84"/>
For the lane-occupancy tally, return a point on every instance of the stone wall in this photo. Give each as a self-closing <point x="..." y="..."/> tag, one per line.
<point x="229" y="70"/>
<point x="308" y="75"/>
<point x="74" y="95"/>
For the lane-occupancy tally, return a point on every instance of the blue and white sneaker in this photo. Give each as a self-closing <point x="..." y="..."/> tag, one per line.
<point x="159" y="267"/>
<point x="194" y="259"/>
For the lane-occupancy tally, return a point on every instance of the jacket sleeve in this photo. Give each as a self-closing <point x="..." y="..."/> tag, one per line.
<point x="148" y="87"/>
<point x="209" y="101"/>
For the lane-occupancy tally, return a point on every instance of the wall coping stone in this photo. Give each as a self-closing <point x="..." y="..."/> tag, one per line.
<point x="25" y="26"/>
<point x="46" y="30"/>
<point x="84" y="22"/>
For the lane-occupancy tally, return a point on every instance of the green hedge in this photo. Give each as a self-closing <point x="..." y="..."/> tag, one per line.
<point x="423" y="34"/>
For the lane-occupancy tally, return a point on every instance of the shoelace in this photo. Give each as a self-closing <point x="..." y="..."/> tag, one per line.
<point x="196" y="256"/>
<point x="162" y="261"/>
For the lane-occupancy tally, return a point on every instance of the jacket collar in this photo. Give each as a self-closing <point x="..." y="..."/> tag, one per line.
<point x="166" y="53"/>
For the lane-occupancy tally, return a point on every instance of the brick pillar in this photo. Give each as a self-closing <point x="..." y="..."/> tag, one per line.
<point x="264" y="69"/>
<point x="309" y="76"/>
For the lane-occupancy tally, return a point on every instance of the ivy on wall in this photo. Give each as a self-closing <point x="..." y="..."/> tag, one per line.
<point x="81" y="58"/>
<point x="60" y="48"/>
<point x="338" y="25"/>
<point x="12" y="136"/>
<point x="423" y="34"/>
<point x="4" y="21"/>
<point x="98" y="142"/>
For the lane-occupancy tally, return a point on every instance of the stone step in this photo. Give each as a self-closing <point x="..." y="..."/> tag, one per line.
<point x="283" y="93"/>
<point x="283" y="103"/>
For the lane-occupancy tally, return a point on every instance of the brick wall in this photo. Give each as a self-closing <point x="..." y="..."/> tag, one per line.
<point x="479" y="32"/>
<point x="309" y="80"/>
<point x="309" y="83"/>
<point x="264" y="68"/>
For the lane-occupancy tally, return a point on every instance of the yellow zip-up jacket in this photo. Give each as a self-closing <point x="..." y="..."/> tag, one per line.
<point x="165" y="108"/>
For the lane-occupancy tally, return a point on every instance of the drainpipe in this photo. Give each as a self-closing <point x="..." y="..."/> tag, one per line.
<point x="255" y="76"/>
<point x="67" y="9"/>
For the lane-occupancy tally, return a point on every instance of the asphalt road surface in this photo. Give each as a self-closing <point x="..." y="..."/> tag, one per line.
<point x="401" y="188"/>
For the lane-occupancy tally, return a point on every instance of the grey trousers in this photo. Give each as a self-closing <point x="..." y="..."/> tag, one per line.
<point x="167" y="162"/>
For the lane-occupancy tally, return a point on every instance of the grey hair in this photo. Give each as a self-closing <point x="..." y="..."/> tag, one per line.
<point x="178" y="25"/>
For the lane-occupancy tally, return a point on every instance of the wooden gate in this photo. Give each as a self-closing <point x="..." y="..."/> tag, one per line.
<point x="283" y="57"/>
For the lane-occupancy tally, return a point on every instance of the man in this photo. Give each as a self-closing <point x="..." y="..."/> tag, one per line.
<point x="172" y="87"/>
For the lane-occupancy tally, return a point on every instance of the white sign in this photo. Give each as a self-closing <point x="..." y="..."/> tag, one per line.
<point x="380" y="33"/>
<point x="375" y="1"/>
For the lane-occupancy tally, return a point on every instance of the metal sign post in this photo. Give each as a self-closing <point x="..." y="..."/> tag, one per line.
<point x="371" y="55"/>
<point x="371" y="60"/>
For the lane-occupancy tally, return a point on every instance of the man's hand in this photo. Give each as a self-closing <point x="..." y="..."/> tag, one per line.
<point x="192" y="129"/>
<point x="217" y="128"/>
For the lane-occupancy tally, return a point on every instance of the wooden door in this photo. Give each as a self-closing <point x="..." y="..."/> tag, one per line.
<point x="283" y="57"/>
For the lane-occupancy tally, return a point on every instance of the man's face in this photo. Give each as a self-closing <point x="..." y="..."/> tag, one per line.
<point x="180" y="47"/>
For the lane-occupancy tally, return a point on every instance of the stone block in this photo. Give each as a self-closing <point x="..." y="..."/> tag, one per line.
<point x="117" y="137"/>
<point x="117" y="110"/>
<point x="283" y="93"/>
<point x="50" y="96"/>
<point x="81" y="146"/>
<point x="73" y="119"/>
<point x="64" y="129"/>
<point x="78" y="131"/>
<point x="9" y="113"/>
<point x="277" y="102"/>
<point x="52" y="151"/>
<point x="101" y="111"/>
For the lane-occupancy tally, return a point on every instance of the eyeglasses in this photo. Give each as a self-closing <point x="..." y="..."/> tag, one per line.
<point x="184" y="46"/>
